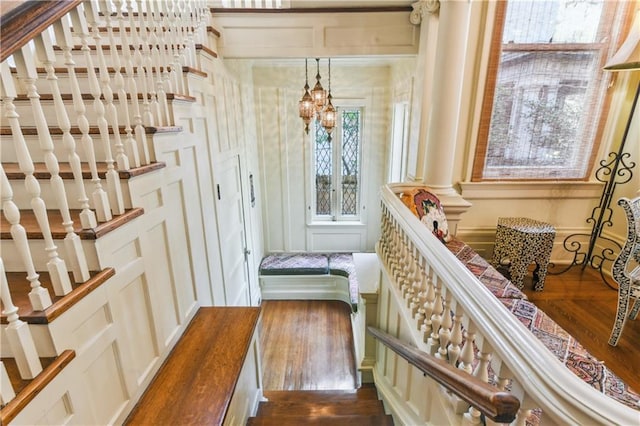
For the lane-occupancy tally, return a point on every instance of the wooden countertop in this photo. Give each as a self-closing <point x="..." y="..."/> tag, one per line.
<point x="196" y="382"/>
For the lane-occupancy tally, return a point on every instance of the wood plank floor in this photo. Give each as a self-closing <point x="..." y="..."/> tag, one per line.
<point x="586" y="308"/>
<point x="307" y="345"/>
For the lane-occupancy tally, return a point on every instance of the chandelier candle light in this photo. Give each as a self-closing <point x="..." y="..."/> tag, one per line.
<point x="317" y="102"/>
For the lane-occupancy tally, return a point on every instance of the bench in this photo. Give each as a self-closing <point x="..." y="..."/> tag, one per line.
<point x="564" y="346"/>
<point x="325" y="276"/>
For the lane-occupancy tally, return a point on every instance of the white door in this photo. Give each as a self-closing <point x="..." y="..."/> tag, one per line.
<point x="232" y="232"/>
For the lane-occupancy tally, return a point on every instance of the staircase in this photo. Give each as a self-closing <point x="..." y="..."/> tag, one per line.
<point x="108" y="127"/>
<point x="322" y="407"/>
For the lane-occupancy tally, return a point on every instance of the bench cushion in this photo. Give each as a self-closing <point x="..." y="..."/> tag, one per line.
<point x="295" y="264"/>
<point x="342" y="264"/>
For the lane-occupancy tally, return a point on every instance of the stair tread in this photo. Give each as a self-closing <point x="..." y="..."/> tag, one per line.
<point x="320" y="408"/>
<point x="93" y="130"/>
<point x="26" y="390"/>
<point x="28" y="221"/>
<point x="19" y="288"/>
<point x="346" y="420"/>
<point x="111" y="70"/>
<point x="40" y="170"/>
<point x="90" y="97"/>
<point x="365" y="393"/>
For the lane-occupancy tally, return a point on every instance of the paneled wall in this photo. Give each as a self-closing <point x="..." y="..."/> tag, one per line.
<point x="284" y="151"/>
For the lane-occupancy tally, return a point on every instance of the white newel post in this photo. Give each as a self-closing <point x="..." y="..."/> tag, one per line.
<point x="26" y="68"/>
<point x="38" y="296"/>
<point x="18" y="334"/>
<point x="73" y="245"/>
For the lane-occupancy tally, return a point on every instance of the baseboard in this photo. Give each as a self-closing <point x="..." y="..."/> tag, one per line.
<point x="305" y="287"/>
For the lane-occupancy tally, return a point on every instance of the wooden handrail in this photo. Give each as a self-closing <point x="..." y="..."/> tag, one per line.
<point x="23" y="22"/>
<point x="499" y="406"/>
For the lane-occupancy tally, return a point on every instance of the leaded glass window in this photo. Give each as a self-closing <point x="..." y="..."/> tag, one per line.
<point x="337" y="167"/>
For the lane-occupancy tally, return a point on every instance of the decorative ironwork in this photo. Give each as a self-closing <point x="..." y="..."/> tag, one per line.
<point x="615" y="170"/>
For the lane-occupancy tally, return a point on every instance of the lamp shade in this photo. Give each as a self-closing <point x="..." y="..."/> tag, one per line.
<point x="627" y="58"/>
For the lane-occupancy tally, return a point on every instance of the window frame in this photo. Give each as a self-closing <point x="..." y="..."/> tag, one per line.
<point x="610" y="17"/>
<point x="336" y="139"/>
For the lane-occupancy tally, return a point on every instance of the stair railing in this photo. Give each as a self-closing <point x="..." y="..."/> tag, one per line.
<point x="498" y="405"/>
<point x="433" y="302"/>
<point x="41" y="34"/>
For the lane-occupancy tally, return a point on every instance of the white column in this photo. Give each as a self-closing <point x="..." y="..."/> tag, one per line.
<point x="443" y="95"/>
<point x="425" y="14"/>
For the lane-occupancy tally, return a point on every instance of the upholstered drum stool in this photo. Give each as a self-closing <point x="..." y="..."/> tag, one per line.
<point x="524" y="241"/>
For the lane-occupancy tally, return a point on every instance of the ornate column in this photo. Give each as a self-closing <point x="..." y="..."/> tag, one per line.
<point x="425" y="14"/>
<point x="441" y="100"/>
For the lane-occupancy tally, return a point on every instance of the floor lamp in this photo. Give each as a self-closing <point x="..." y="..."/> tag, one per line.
<point x="615" y="170"/>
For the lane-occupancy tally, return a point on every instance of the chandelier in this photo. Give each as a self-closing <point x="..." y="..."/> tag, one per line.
<point x="316" y="104"/>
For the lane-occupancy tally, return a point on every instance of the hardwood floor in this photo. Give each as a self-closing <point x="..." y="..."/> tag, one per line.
<point x="307" y="345"/>
<point x="586" y="308"/>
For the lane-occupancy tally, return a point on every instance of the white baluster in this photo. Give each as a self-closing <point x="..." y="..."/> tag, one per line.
<point x="38" y="296"/>
<point x="436" y="319"/>
<point x="429" y="304"/>
<point x="75" y="252"/>
<point x="6" y="388"/>
<point x="444" y="334"/>
<point x="453" y="351"/>
<point x="142" y="152"/>
<point x="176" y="67"/>
<point x="142" y="59"/>
<point x="122" y="158"/>
<point x="18" y="334"/>
<point x="467" y="354"/>
<point x="99" y="196"/>
<point x="163" y="109"/>
<point x="473" y="416"/>
<point x="27" y="71"/>
<point x="114" y="190"/>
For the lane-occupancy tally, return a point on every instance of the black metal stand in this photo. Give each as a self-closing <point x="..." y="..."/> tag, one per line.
<point x="613" y="171"/>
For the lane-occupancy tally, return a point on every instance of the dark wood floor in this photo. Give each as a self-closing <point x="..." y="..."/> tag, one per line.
<point x="307" y="344"/>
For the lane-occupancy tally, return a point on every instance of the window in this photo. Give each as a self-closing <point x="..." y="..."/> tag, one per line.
<point x="337" y="167"/>
<point x="545" y="98"/>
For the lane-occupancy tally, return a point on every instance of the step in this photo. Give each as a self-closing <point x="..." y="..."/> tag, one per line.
<point x="19" y="288"/>
<point x="26" y="390"/>
<point x="320" y="408"/>
<point x="30" y="134"/>
<point x="381" y="420"/>
<point x="363" y="393"/>
<point x="22" y="199"/>
<point x="64" y="82"/>
<point x="24" y="108"/>
<point x="28" y="220"/>
<point x="10" y="255"/>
